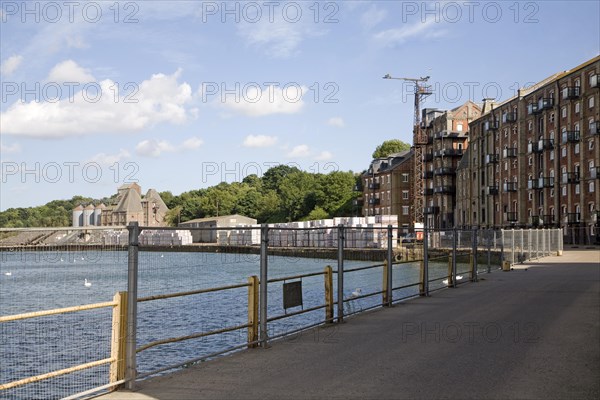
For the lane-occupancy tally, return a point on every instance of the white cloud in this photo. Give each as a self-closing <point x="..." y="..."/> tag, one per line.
<point x="324" y="156"/>
<point x="154" y="148"/>
<point x="278" y="38"/>
<point x="191" y="143"/>
<point x="372" y="17"/>
<point x="258" y="102"/>
<point x="299" y="151"/>
<point x="7" y="148"/>
<point x="156" y="100"/>
<point x="423" y="30"/>
<point x="259" y="141"/>
<point x="11" y="64"/>
<point x="336" y="121"/>
<point x="69" y="71"/>
<point x="110" y="159"/>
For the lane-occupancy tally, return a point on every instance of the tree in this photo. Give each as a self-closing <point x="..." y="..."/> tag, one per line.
<point x="389" y="147"/>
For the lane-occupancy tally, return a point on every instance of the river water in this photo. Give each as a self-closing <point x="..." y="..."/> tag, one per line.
<point x="34" y="281"/>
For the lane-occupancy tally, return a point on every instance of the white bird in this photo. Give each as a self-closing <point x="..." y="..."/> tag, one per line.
<point x="445" y="281"/>
<point x="459" y="277"/>
<point x="357" y="292"/>
<point x="162" y="255"/>
<point x="87" y="284"/>
<point x="82" y="258"/>
<point x="61" y="260"/>
<point x="8" y="273"/>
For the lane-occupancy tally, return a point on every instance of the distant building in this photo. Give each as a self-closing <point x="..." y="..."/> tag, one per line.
<point x="129" y="205"/>
<point x="447" y="140"/>
<point x="387" y="188"/>
<point x="212" y="235"/>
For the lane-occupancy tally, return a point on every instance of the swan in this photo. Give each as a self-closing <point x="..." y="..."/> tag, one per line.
<point x="87" y="284"/>
<point x="357" y="292"/>
<point x="8" y="273"/>
<point x="459" y="277"/>
<point x="162" y="255"/>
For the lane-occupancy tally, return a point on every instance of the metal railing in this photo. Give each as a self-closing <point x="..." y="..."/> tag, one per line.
<point x="153" y="314"/>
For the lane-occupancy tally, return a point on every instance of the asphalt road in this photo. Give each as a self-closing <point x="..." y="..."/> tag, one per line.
<point x="523" y="334"/>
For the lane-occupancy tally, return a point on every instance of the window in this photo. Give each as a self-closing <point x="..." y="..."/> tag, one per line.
<point x="563" y="151"/>
<point x="506" y="133"/>
<point x="564" y="190"/>
<point x="552" y="192"/>
<point x="405" y="195"/>
<point x="530" y="196"/>
<point x="404" y="177"/>
<point x="530" y="161"/>
<point x="563" y="112"/>
<point x="552" y="117"/>
<point x="591" y="187"/>
<point x="459" y="127"/>
<point x="505" y="166"/>
<point x="530" y="126"/>
<point x="552" y="155"/>
<point x="576" y="148"/>
<point x="591" y="102"/>
<point x="404" y="210"/>
<point x="577" y="108"/>
<point x="577" y="189"/>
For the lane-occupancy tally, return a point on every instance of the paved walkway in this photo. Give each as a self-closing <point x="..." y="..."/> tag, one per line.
<point x="524" y="334"/>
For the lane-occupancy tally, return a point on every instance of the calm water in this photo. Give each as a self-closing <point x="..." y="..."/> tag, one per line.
<point x="46" y="280"/>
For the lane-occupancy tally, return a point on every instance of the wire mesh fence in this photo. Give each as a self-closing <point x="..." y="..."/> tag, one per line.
<point x="195" y="295"/>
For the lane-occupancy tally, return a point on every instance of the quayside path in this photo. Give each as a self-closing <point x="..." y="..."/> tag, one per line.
<point x="531" y="333"/>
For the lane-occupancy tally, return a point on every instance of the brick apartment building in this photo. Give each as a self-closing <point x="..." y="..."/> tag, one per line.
<point x="533" y="160"/>
<point x="448" y="137"/>
<point x="387" y="188"/>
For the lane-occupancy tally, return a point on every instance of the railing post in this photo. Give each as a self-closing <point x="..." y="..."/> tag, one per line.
<point x="452" y="279"/>
<point x="474" y="268"/>
<point x="390" y="266"/>
<point x="328" y="294"/>
<point x="425" y="263"/>
<point x="340" y="277"/>
<point x="118" y="343"/>
<point x="489" y="251"/>
<point x="264" y="242"/>
<point x="253" y="311"/>
<point x="132" y="288"/>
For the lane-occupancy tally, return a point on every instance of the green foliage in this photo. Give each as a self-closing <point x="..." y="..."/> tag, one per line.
<point x="389" y="147"/>
<point x="282" y="194"/>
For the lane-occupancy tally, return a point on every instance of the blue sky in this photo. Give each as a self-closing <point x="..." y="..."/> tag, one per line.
<point x="183" y="95"/>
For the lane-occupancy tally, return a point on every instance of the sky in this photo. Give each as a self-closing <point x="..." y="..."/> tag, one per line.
<point x="182" y="95"/>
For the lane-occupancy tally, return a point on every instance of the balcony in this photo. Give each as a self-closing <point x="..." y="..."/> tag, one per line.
<point x="452" y="152"/>
<point x="509" y="117"/>
<point x="536" y="220"/>
<point x="533" y="184"/>
<point x="492" y="190"/>
<point x="491" y="125"/>
<point x="431" y="210"/>
<point x="571" y="137"/>
<point x="533" y="148"/>
<point x="570" y="177"/>
<point x="546" y="181"/>
<point x="427" y="157"/>
<point x="548" y="219"/>
<point x="427" y="174"/>
<point x="570" y="92"/>
<point x="573" y="218"/>
<point x="492" y="159"/>
<point x="545" y="144"/>
<point x="374" y="201"/>
<point x="510" y="216"/>
<point x="444" y="171"/>
<point x="545" y="103"/>
<point x="444" y="189"/>
<point x="532" y="108"/>
<point x="374" y="186"/>
<point x="510" y="152"/>
<point x="509" y="187"/>
<point x="428" y="192"/>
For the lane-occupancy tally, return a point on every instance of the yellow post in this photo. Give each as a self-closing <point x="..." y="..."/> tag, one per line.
<point x="253" y="311"/>
<point x="472" y="264"/>
<point x="328" y="294"/>
<point x="119" y="342"/>
<point x="422" y="279"/>
<point x="449" y="271"/>
<point x="384" y="286"/>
